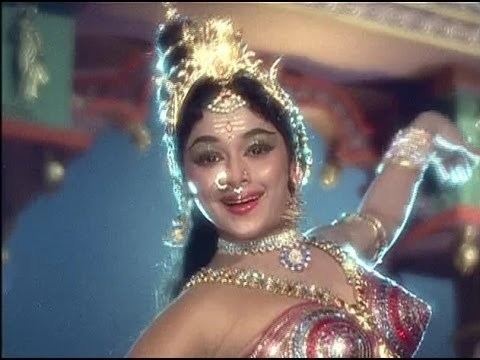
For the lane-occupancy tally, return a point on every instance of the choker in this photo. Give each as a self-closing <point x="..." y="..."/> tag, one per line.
<point x="294" y="252"/>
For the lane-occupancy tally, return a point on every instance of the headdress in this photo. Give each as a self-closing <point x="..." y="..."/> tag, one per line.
<point x="191" y="51"/>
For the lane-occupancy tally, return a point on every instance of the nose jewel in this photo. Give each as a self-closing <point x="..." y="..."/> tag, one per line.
<point x="238" y="191"/>
<point x="220" y="180"/>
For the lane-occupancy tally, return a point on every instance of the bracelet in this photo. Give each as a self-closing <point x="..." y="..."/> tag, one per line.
<point x="411" y="148"/>
<point x="380" y="234"/>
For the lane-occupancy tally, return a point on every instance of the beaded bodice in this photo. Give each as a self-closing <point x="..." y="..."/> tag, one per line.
<point x="310" y="330"/>
<point x="385" y="321"/>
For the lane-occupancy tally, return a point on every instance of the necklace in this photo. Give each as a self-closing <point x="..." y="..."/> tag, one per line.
<point x="294" y="252"/>
<point x="359" y="312"/>
<point x="253" y="279"/>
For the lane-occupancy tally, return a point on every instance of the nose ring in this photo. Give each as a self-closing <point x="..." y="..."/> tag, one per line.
<point x="222" y="184"/>
<point x="221" y="181"/>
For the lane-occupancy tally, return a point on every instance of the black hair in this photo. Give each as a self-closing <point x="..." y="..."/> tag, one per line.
<point x="202" y="242"/>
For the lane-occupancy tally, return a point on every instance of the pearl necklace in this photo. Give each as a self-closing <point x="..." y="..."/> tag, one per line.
<point x="294" y="252"/>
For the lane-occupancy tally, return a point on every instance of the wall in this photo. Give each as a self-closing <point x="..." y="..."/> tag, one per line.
<point x="85" y="261"/>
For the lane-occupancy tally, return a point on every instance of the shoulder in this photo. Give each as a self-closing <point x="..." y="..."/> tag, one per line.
<point x="334" y="233"/>
<point x="180" y="329"/>
<point x="403" y="316"/>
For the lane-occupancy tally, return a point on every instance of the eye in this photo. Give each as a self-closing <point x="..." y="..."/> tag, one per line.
<point x="207" y="158"/>
<point x="259" y="148"/>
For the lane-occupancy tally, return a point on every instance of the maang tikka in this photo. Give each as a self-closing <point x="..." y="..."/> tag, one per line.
<point x="214" y="50"/>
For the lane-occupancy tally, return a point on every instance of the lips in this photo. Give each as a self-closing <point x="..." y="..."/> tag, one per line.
<point x="243" y="205"/>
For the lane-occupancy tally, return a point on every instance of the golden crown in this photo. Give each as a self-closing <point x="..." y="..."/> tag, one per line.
<point x="215" y="51"/>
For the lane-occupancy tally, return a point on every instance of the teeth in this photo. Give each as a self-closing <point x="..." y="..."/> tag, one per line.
<point x="242" y="201"/>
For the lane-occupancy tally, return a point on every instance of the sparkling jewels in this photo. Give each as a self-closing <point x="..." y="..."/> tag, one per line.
<point x="330" y="333"/>
<point x="265" y="244"/>
<point x="296" y="257"/>
<point x="294" y="252"/>
<point x="384" y="321"/>
<point x="226" y="102"/>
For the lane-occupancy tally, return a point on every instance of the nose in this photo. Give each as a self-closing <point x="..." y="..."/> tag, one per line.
<point x="237" y="172"/>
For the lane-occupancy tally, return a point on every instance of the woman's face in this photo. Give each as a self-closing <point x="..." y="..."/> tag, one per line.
<point x="237" y="169"/>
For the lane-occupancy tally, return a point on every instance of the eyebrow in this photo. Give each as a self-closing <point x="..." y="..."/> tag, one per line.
<point x="213" y="139"/>
<point x="205" y="138"/>
<point x="257" y="131"/>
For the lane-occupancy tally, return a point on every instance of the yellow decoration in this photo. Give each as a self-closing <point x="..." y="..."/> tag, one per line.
<point x="141" y="136"/>
<point x="216" y="52"/>
<point x="330" y="175"/>
<point x="468" y="255"/>
<point x="54" y="172"/>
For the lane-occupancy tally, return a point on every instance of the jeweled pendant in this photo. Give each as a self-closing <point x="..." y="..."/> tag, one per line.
<point x="295" y="258"/>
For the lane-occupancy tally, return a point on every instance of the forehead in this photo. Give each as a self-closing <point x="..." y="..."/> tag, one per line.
<point x="248" y="118"/>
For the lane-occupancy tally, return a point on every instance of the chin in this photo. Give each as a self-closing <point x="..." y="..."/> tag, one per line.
<point x="246" y="232"/>
<point x="243" y="227"/>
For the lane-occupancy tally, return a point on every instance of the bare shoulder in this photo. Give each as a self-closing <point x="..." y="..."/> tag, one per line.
<point x="179" y="331"/>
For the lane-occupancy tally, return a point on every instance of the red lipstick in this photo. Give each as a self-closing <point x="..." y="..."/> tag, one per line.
<point x="243" y="205"/>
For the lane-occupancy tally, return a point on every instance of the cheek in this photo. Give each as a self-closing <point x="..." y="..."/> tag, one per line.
<point x="273" y="169"/>
<point x="201" y="179"/>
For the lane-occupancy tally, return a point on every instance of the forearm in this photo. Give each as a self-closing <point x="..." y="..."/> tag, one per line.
<point x="430" y="140"/>
<point x="390" y="197"/>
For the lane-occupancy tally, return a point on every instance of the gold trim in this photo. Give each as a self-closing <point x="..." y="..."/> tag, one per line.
<point x="378" y="28"/>
<point x="409" y="35"/>
<point x="451" y="13"/>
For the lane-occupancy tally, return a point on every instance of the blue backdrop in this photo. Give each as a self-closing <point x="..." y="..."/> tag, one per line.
<point x="83" y="277"/>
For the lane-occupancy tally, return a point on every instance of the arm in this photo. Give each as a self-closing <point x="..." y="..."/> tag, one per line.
<point x="391" y="195"/>
<point x="177" y="332"/>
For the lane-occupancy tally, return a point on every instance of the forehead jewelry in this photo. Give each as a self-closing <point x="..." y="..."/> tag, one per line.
<point x="225" y="103"/>
<point x="228" y="125"/>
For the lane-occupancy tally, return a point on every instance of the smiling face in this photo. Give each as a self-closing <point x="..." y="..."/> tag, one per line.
<point x="237" y="168"/>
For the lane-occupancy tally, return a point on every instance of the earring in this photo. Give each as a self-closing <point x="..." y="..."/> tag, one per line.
<point x="181" y="225"/>
<point x="293" y="212"/>
<point x="179" y="231"/>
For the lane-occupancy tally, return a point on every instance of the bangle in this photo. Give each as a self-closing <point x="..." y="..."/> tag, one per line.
<point x="411" y="148"/>
<point x="380" y="234"/>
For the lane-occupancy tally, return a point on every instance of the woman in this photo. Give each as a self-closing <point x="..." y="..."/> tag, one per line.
<point x="253" y="284"/>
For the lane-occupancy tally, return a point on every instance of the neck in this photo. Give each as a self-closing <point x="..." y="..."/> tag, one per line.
<point x="262" y="250"/>
<point x="273" y="241"/>
<point x="265" y="234"/>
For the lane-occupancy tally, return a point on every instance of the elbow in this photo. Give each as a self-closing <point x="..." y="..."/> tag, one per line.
<point x="389" y="222"/>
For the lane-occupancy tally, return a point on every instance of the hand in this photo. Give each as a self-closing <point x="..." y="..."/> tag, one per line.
<point x="454" y="159"/>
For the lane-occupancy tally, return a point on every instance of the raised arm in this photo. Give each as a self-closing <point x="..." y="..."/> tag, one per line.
<point x="388" y="201"/>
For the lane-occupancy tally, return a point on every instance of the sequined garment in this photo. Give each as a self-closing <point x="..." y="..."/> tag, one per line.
<point x="310" y="329"/>
<point x="385" y="321"/>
